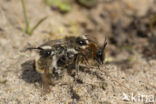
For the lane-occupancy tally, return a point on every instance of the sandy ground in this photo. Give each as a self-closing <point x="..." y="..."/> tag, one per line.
<point x="20" y="84"/>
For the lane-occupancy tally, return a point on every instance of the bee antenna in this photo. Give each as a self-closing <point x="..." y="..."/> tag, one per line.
<point x="104" y="45"/>
<point x="32" y="48"/>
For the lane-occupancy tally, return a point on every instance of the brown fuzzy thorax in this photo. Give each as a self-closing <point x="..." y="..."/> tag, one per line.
<point x="43" y="65"/>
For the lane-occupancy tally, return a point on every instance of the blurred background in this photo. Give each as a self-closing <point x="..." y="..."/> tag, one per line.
<point x="128" y="25"/>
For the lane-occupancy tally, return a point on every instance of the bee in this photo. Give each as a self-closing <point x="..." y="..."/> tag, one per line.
<point x="46" y="63"/>
<point x="84" y="51"/>
<point x="55" y="55"/>
<point x="88" y="49"/>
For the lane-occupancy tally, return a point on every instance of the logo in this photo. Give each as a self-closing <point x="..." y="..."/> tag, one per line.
<point x="138" y="98"/>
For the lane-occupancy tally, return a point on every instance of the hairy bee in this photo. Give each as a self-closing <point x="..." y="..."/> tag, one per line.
<point x="46" y="63"/>
<point x="55" y="55"/>
<point x="88" y="49"/>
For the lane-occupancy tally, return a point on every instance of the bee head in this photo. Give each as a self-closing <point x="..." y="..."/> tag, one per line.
<point x="100" y="55"/>
<point x="82" y="42"/>
<point x="44" y="51"/>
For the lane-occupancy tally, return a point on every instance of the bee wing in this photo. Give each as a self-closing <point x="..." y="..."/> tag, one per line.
<point x="46" y="45"/>
<point x="51" y="43"/>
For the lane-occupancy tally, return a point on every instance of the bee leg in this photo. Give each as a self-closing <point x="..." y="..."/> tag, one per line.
<point x="84" y="58"/>
<point x="46" y="80"/>
<point x="80" y="57"/>
<point x="77" y="66"/>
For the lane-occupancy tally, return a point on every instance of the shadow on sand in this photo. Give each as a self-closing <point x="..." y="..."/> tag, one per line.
<point x="29" y="73"/>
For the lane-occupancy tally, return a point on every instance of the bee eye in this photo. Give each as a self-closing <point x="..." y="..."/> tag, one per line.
<point x="48" y="52"/>
<point x="99" y="53"/>
<point x="45" y="53"/>
<point x="99" y="56"/>
<point x="81" y="41"/>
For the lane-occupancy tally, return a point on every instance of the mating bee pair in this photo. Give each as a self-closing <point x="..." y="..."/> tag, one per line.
<point x="70" y="52"/>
